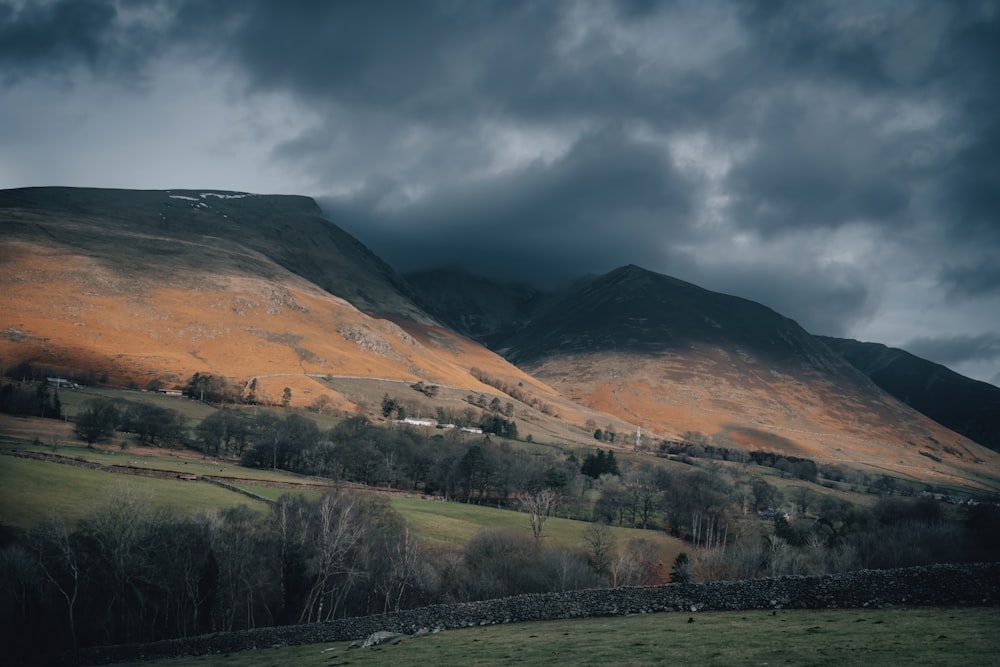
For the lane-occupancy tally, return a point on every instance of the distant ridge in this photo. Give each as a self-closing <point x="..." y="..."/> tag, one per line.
<point x="964" y="405"/>
<point x="682" y="361"/>
<point x="633" y="309"/>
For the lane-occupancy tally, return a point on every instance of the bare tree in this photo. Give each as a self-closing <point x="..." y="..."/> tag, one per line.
<point x="122" y="530"/>
<point x="338" y="530"/>
<point x="601" y="542"/>
<point x="59" y="561"/>
<point x="538" y="504"/>
<point x="402" y="559"/>
<point x="636" y="564"/>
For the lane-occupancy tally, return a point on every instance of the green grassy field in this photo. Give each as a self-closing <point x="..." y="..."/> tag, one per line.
<point x="457" y="522"/>
<point x="156" y="458"/>
<point x="273" y="493"/>
<point x="910" y="637"/>
<point x="31" y="491"/>
<point x="75" y="401"/>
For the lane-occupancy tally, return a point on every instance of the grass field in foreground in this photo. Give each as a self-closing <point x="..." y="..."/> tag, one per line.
<point x="910" y="637"/>
<point x="31" y="491"/>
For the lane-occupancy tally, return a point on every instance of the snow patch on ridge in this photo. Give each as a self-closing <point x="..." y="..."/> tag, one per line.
<point x="221" y="195"/>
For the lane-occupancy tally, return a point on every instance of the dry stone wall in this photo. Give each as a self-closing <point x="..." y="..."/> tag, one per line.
<point x="944" y="585"/>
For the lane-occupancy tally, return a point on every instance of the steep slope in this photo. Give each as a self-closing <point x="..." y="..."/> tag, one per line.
<point x="474" y="306"/>
<point x="964" y="405"/>
<point x="148" y="287"/>
<point x="673" y="358"/>
<point x="187" y="229"/>
<point x="631" y="309"/>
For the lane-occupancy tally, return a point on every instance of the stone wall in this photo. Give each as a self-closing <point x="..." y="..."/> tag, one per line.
<point x="945" y="585"/>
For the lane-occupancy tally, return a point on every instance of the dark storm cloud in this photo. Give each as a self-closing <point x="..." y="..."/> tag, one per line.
<point x="49" y="35"/>
<point x="435" y="61"/>
<point x="817" y="157"/>
<point x="970" y="78"/>
<point x="821" y="157"/>
<point x="55" y="37"/>
<point x="420" y="58"/>
<point x="973" y="280"/>
<point x="816" y="169"/>
<point x="828" y="303"/>
<point x="594" y="209"/>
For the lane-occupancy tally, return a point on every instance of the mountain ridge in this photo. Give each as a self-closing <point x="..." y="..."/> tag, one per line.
<point x="965" y="405"/>
<point x="676" y="358"/>
<point x="152" y="286"/>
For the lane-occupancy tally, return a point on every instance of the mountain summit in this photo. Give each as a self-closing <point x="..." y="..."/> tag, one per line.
<point x="196" y="232"/>
<point x="637" y="311"/>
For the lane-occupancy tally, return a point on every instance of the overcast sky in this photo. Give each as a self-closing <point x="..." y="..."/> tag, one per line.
<point x="837" y="161"/>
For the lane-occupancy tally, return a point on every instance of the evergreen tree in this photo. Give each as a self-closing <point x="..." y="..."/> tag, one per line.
<point x="56" y="406"/>
<point x="601" y="463"/>
<point x="681" y="573"/>
<point x="610" y="464"/>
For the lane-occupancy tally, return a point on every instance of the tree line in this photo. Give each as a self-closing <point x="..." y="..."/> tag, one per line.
<point x="712" y="506"/>
<point x="30" y="399"/>
<point x="133" y="572"/>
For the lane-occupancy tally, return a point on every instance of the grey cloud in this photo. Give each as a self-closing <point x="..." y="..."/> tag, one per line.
<point x="821" y="117"/>
<point x="972" y="179"/>
<point x="813" y="168"/>
<point x="860" y="44"/>
<point x="421" y="58"/>
<point x="438" y="61"/>
<point x="956" y="349"/>
<point x="817" y="165"/>
<point x="968" y="76"/>
<point x="54" y="38"/>
<point x="608" y="201"/>
<point x="982" y="279"/>
<point x="51" y="34"/>
<point x="823" y="301"/>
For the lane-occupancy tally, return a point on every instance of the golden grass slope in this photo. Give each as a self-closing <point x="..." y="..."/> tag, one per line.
<point x="704" y="390"/>
<point x="147" y="288"/>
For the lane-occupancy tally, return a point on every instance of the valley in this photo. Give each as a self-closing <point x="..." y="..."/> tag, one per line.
<point x="246" y="390"/>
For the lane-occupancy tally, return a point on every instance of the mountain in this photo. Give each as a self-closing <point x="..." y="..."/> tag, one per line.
<point x="188" y="232"/>
<point x="964" y="405"/>
<point x="682" y="362"/>
<point x="632" y="310"/>
<point x="474" y="306"/>
<point x="146" y="288"/>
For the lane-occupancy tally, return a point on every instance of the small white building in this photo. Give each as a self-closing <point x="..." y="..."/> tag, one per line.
<point x="413" y="421"/>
